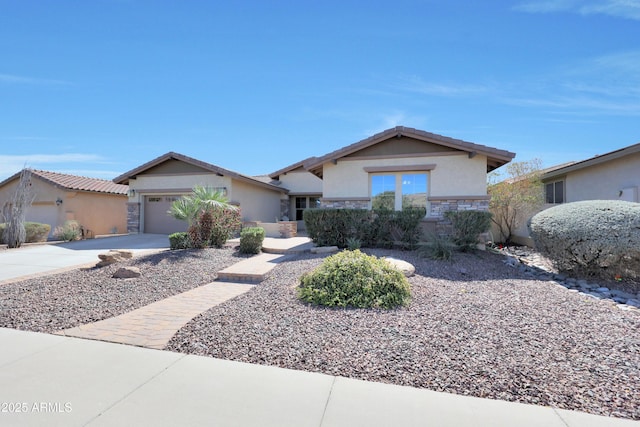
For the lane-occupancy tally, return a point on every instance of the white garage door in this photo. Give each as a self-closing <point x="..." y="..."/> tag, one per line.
<point x="156" y="218"/>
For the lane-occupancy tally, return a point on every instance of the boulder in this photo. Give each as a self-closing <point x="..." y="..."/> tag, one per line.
<point x="127" y="273"/>
<point x="407" y="269"/>
<point x="113" y="256"/>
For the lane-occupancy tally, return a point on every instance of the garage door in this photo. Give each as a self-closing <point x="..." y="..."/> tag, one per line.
<point x="156" y="218"/>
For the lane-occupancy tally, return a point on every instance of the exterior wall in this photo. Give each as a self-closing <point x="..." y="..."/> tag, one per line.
<point x="101" y="213"/>
<point x="456" y="183"/>
<point x="604" y="181"/>
<point x="256" y="203"/>
<point x="167" y="184"/>
<point x="455" y="175"/>
<point x="301" y="182"/>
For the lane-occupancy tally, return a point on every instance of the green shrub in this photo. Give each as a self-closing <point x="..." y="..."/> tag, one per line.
<point x="355" y="279"/>
<point x="332" y="227"/>
<point x="353" y="243"/>
<point x="70" y="230"/>
<point x="378" y="228"/>
<point x="179" y="240"/>
<point x="467" y="226"/>
<point x="595" y="238"/>
<point x="225" y="223"/>
<point x="438" y="247"/>
<point x="251" y="239"/>
<point x="36" y="232"/>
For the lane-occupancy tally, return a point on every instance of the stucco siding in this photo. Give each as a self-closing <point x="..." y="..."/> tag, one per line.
<point x="257" y="204"/>
<point x="99" y="212"/>
<point x="455" y="175"/>
<point x="177" y="182"/>
<point x="301" y="182"/>
<point x="604" y="181"/>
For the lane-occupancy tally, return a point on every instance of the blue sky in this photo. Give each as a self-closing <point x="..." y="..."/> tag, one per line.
<point x="96" y="88"/>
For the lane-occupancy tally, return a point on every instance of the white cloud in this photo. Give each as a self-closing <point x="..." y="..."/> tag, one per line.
<point x="417" y="85"/>
<point x="10" y="164"/>
<point x="629" y="9"/>
<point x="13" y="79"/>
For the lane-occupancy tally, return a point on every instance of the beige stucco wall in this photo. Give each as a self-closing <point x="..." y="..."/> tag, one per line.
<point x="604" y="181"/>
<point x="99" y="212"/>
<point x="301" y="182"/>
<point x="455" y="175"/>
<point x="256" y="203"/>
<point x="153" y="183"/>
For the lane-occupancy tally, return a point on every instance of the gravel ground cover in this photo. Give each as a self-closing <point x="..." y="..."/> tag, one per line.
<point x="474" y="327"/>
<point x="65" y="300"/>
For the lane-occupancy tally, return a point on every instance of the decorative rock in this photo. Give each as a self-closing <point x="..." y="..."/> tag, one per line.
<point x="602" y="290"/>
<point x="634" y="303"/>
<point x="407" y="269"/>
<point x="127" y="273"/>
<point x="324" y="249"/>
<point x="113" y="256"/>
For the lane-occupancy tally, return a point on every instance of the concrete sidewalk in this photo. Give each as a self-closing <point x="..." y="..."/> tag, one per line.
<point x="34" y="260"/>
<point x="60" y="381"/>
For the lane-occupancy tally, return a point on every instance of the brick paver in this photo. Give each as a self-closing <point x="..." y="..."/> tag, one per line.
<point x="152" y="326"/>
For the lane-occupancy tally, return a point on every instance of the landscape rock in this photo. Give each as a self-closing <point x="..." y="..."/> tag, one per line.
<point x="407" y="269"/>
<point x="113" y="256"/>
<point x="127" y="273"/>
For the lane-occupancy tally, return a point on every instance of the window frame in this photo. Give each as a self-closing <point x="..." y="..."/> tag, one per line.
<point x="555" y="199"/>
<point x="398" y="184"/>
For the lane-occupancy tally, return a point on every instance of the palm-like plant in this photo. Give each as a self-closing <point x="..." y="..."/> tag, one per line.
<point x="202" y="199"/>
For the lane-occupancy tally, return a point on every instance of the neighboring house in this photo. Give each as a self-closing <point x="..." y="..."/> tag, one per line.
<point x="153" y="186"/>
<point x="396" y="168"/>
<point x="611" y="176"/>
<point x="97" y="204"/>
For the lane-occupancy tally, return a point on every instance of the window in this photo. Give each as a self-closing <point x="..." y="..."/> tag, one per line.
<point x="303" y="203"/>
<point x="398" y="191"/>
<point x="554" y="192"/>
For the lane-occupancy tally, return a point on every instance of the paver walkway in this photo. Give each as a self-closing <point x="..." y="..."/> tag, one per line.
<point x="153" y="325"/>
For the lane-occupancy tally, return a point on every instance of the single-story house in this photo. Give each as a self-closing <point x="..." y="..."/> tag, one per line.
<point x="98" y="205"/>
<point x="610" y="176"/>
<point x="395" y="168"/>
<point x="154" y="185"/>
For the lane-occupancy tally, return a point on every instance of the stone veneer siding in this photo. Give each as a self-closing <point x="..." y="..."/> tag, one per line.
<point x="133" y="217"/>
<point x="284" y="208"/>
<point x="344" y="204"/>
<point x="440" y="206"/>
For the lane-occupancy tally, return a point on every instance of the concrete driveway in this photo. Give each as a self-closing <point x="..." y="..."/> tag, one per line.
<point x="33" y="260"/>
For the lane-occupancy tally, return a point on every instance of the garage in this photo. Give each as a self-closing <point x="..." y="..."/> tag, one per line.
<point x="156" y="218"/>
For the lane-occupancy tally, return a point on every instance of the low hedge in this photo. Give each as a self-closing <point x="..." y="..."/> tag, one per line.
<point x="36" y="232"/>
<point x="373" y="228"/>
<point x="251" y="239"/>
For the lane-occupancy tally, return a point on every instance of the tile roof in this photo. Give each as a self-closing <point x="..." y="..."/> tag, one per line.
<point x="76" y="183"/>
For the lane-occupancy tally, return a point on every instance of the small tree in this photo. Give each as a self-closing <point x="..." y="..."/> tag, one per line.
<point x="211" y="218"/>
<point x="516" y="198"/>
<point x="14" y="211"/>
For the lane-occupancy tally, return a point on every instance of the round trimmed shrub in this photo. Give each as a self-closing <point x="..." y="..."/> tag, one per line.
<point x="251" y="239"/>
<point x="355" y="279"/>
<point x="595" y="238"/>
